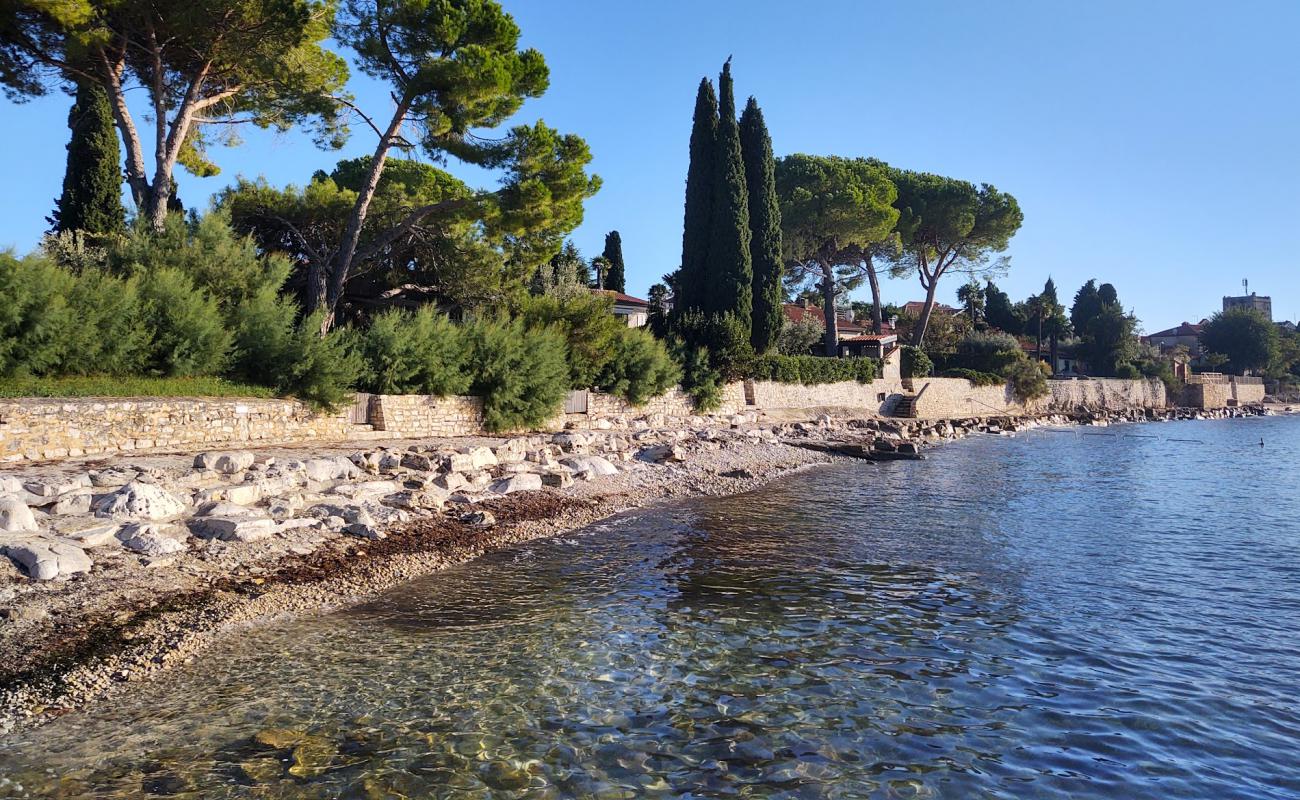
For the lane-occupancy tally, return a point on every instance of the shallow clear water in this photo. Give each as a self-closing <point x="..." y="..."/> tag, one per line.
<point x="1108" y="614"/>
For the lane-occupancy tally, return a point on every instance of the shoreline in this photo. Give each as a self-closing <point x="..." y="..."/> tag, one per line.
<point x="61" y="656"/>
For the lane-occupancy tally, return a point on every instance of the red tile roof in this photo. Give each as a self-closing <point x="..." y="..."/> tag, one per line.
<point x="797" y="313"/>
<point x="1185" y="329"/>
<point x="619" y="297"/>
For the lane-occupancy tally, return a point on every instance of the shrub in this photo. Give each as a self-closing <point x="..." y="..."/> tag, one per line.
<point x="1027" y="379"/>
<point x="915" y="363"/>
<point x="109" y="337"/>
<point x="812" y="370"/>
<point x="975" y="377"/>
<point x="588" y="325"/>
<point x="1127" y="372"/>
<point x="521" y="374"/>
<point x="413" y="353"/>
<point x="35" y="321"/>
<point x="798" y="338"/>
<point x="186" y="329"/>
<point x="699" y="379"/>
<point x="987" y="351"/>
<point x="725" y="337"/>
<point x="640" y="368"/>
<point x="318" y="370"/>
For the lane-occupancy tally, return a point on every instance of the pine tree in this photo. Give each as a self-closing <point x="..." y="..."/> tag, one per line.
<point x="729" y="274"/>
<point x="613" y="253"/>
<point x="690" y="287"/>
<point x="92" y="183"/>
<point x="765" y="228"/>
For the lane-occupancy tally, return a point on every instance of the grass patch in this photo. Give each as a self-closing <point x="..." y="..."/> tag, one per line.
<point x="111" y="386"/>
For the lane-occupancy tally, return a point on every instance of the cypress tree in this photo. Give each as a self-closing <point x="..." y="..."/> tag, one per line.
<point x="699" y="200"/>
<point x="764" y="226"/>
<point x="729" y="275"/>
<point x="615" y="280"/>
<point x="92" y="183"/>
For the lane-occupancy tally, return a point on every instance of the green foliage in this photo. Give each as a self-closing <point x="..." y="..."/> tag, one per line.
<point x="691" y="287"/>
<point x="1109" y="339"/>
<point x="640" y="368"/>
<point x="1127" y="372"/>
<point x="319" y="370"/>
<point x="1027" y="379"/>
<point x="92" y="181"/>
<point x="404" y="352"/>
<point x="729" y="272"/>
<point x="990" y="351"/>
<point x="126" y="386"/>
<point x="812" y="370"/>
<point x="699" y="378"/>
<point x="1000" y="312"/>
<point x="725" y="338"/>
<point x="1087" y="304"/>
<point x="798" y="338"/>
<point x="1245" y="336"/>
<point x="587" y="323"/>
<point x="616" y="279"/>
<point x="521" y="374"/>
<point x="186" y="327"/>
<point x="976" y="377"/>
<point x="765" y="245"/>
<point x="915" y="363"/>
<point x="35" y="321"/>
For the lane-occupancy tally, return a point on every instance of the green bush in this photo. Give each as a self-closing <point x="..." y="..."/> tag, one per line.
<point x="812" y="370"/>
<point x="974" y="376"/>
<point x="186" y="329"/>
<point x="320" y="371"/>
<point x="640" y="368"/>
<point x="915" y="363"/>
<point x="699" y="379"/>
<point x="109" y="337"/>
<point x="588" y="325"/>
<point x="126" y="386"/>
<point x="35" y="321"/>
<point x="521" y="374"/>
<point x="1027" y="379"/>
<point x="413" y="353"/>
<point x="1127" y="372"/>
<point x="724" y="336"/>
<point x="987" y="351"/>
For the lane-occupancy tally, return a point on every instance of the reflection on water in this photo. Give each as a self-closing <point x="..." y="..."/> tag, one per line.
<point x="1055" y="616"/>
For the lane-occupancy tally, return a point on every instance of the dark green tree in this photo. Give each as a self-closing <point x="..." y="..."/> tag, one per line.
<point x="92" y="182"/>
<point x="971" y="297"/>
<point x="729" y="270"/>
<point x="689" y="291"/>
<point x="1000" y="312"/>
<point x="765" y="228"/>
<point x="1244" y="335"/>
<point x="1087" y="304"/>
<point x="1109" y="339"/>
<point x="1107" y="295"/>
<point x="659" y="298"/>
<point x="1055" y="324"/>
<point x="615" y="279"/>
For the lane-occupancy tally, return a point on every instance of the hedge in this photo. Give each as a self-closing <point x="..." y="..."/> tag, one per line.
<point x="812" y="370"/>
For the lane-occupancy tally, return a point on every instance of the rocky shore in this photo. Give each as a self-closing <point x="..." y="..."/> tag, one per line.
<point x="117" y="569"/>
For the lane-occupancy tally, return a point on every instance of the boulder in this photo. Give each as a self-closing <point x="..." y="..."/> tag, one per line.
<point x="451" y="481"/>
<point x="389" y="461"/>
<point x="512" y="452"/>
<point x="418" y="461"/>
<point x="519" y="482"/>
<point x="458" y="462"/>
<point x="364" y="531"/>
<point x="15" y="516"/>
<point x="572" y="442"/>
<point x="659" y="454"/>
<point x="232" y="529"/>
<point x="11" y="486"/>
<point x="416" y="500"/>
<point x="74" y="502"/>
<point x="139" y="500"/>
<point x="113" y="476"/>
<point x="558" y="479"/>
<point x="371" y="488"/>
<point x="45" y="557"/>
<point x="151" y="539"/>
<point x="56" y="488"/>
<point x="221" y="508"/>
<point x="480" y="457"/>
<point x="479" y="517"/>
<point x="91" y="532"/>
<point x="591" y="466"/>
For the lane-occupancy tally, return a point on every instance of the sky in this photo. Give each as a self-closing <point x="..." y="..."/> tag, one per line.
<point x="1152" y="145"/>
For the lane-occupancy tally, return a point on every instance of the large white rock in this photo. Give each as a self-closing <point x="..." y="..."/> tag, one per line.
<point x="591" y="466"/>
<point x="139" y="500"/>
<point x="74" y="502"/>
<point x="227" y="463"/>
<point x="15" y="515"/>
<point x="45" y="557"/>
<point x="519" y="482"/>
<point x="150" y="538"/>
<point x="481" y="457"/>
<point x="233" y="529"/>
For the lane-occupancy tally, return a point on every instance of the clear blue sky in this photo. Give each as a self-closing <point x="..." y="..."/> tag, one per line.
<point x="1151" y="144"/>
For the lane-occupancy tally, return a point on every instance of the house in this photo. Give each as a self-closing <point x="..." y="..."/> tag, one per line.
<point x="855" y="338"/>
<point x="632" y="310"/>
<point x="913" y="309"/>
<point x="1069" y="363"/>
<point x="1186" y="335"/>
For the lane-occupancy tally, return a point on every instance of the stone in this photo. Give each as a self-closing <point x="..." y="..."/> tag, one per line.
<point x="139" y="500"/>
<point x="320" y="469"/>
<point x="479" y="481"/>
<point x="520" y="482"/>
<point x="282" y="508"/>
<point x="594" y="466"/>
<point x="150" y="538"/>
<point x="558" y="479"/>
<point x="92" y="532"/>
<point x="479" y="517"/>
<point x="233" y="529"/>
<point x="907" y="448"/>
<point x="451" y="481"/>
<point x="365" y="461"/>
<point x="220" y="508"/>
<point x="662" y="453"/>
<point x="390" y="462"/>
<point x="417" y="461"/>
<point x="54" y="489"/>
<point x="15" y="516"/>
<point x="364" y="531"/>
<point x="11" y="486"/>
<point x="572" y="442"/>
<point x="113" y="476"/>
<point x="417" y="500"/>
<point x="45" y="557"/>
<point x="458" y="462"/>
<point x="365" y="488"/>
<point x="243" y="494"/>
<point x="227" y="463"/>
<point x="75" y="502"/>
<point x="512" y="452"/>
<point x="480" y="457"/>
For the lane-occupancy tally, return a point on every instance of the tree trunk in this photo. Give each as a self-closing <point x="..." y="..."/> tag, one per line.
<point x="877" y="313"/>
<point x="336" y="275"/>
<point x="832" y="340"/>
<point x="1053" y="352"/>
<point x="918" y="333"/>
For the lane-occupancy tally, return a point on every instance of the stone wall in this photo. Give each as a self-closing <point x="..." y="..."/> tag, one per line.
<point x="416" y="415"/>
<point x="34" y="429"/>
<point x="876" y="397"/>
<point x="1222" y="391"/>
<point x="674" y="403"/>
